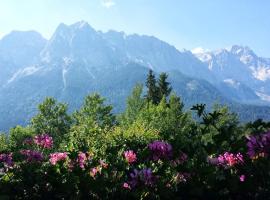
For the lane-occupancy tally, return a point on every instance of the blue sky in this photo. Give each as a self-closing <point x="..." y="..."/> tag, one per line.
<point x="210" y="24"/>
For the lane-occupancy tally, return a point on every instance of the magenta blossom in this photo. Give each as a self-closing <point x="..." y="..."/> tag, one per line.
<point x="82" y="158"/>
<point x="227" y="159"/>
<point x="130" y="156"/>
<point x="160" y="150"/>
<point x="32" y="156"/>
<point x="126" y="186"/>
<point x="58" y="156"/>
<point x="242" y="178"/>
<point x="44" y="141"/>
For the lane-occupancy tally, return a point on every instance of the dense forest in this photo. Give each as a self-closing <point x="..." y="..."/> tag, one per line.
<point x="153" y="150"/>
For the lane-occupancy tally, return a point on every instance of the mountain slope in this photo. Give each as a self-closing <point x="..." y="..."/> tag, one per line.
<point x="77" y="60"/>
<point x="239" y="72"/>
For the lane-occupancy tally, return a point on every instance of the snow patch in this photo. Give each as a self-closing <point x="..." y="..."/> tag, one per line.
<point x="246" y="59"/>
<point x="261" y="73"/>
<point x="263" y="96"/>
<point x="202" y="54"/>
<point x="232" y="83"/>
<point x="192" y="85"/>
<point x="23" y="72"/>
<point x="67" y="62"/>
<point x="198" y="50"/>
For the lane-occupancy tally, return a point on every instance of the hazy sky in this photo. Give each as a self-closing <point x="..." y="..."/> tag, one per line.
<point x="210" y="24"/>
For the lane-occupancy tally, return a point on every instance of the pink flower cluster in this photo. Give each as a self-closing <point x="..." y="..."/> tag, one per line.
<point x="58" y="156"/>
<point x="130" y="156"/>
<point x="44" y="141"/>
<point x="32" y="156"/>
<point x="82" y="158"/>
<point x="6" y="159"/>
<point x="227" y="159"/>
<point x="160" y="150"/>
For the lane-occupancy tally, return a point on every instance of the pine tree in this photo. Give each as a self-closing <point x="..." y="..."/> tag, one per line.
<point x="152" y="93"/>
<point x="164" y="87"/>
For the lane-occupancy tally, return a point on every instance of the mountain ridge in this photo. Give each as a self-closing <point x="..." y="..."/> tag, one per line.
<point x="78" y="60"/>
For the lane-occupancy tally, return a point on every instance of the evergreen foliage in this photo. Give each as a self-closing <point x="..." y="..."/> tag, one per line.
<point x="164" y="86"/>
<point x="152" y="89"/>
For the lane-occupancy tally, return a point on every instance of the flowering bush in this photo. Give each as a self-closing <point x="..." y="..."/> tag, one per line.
<point x="146" y="158"/>
<point x="44" y="141"/>
<point x="259" y="145"/>
<point x="56" y="157"/>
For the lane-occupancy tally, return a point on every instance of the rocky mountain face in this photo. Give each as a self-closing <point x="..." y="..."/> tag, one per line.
<point x="78" y="60"/>
<point x="239" y="73"/>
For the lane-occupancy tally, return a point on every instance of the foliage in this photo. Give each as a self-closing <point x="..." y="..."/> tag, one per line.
<point x="152" y="92"/>
<point x="154" y="150"/>
<point x="52" y="118"/>
<point x="164" y="86"/>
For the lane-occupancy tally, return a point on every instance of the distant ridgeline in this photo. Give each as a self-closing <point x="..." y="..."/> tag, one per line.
<point x="78" y="60"/>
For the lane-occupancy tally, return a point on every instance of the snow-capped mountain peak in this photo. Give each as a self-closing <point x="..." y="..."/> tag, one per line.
<point x="202" y="54"/>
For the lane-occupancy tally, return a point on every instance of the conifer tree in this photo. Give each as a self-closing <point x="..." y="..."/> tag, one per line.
<point x="152" y="93"/>
<point x="164" y="87"/>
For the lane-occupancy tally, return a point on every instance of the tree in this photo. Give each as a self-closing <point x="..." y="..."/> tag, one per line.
<point x="3" y="142"/>
<point x="96" y="111"/>
<point x="17" y="135"/>
<point x="91" y="122"/>
<point x="52" y="118"/>
<point x="135" y="103"/>
<point x="164" y="87"/>
<point x="152" y="93"/>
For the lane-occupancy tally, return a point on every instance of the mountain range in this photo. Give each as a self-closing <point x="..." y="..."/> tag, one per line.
<point x="78" y="60"/>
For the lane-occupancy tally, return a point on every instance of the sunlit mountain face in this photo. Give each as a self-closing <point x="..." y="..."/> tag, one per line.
<point x="78" y="60"/>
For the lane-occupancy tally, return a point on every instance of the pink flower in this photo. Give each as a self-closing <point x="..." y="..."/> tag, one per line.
<point x="227" y="159"/>
<point x="242" y="178"/>
<point x="126" y="186"/>
<point x="82" y="158"/>
<point x="44" y="140"/>
<point x="55" y="157"/>
<point x="94" y="171"/>
<point x="130" y="156"/>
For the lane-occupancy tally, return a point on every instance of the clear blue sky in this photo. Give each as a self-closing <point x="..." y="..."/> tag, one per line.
<point x="210" y="24"/>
